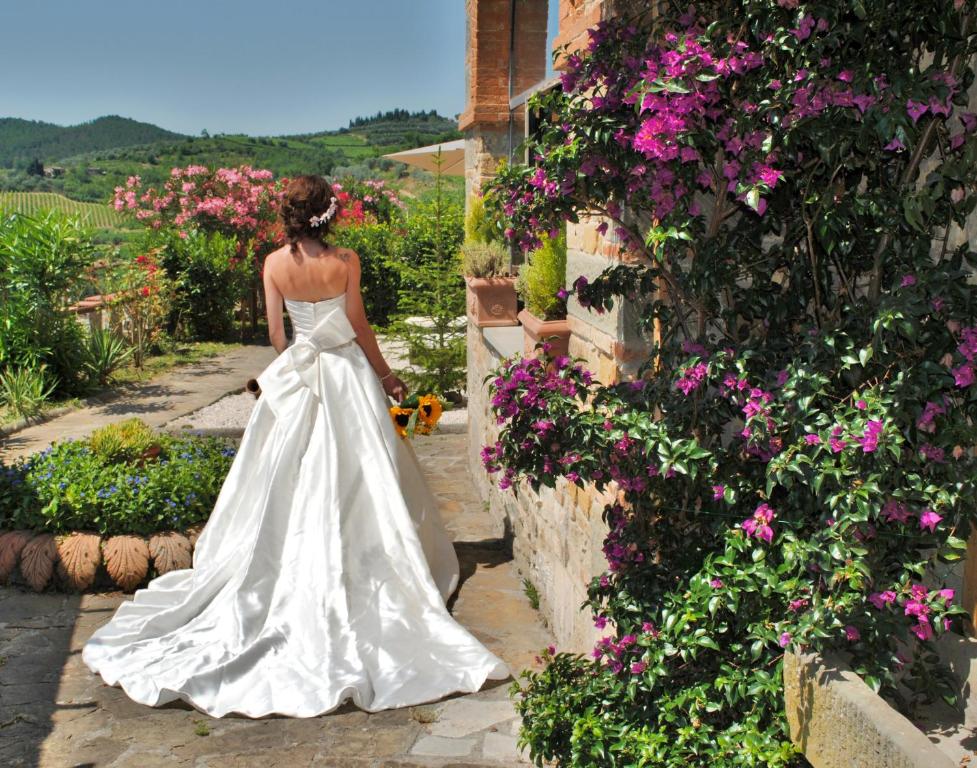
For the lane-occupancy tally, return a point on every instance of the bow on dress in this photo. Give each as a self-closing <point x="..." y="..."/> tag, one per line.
<point x="297" y="367"/>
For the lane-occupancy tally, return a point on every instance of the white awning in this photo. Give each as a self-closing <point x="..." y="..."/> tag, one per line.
<point x="452" y="155"/>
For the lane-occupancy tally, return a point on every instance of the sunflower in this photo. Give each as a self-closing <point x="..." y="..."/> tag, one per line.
<point x="401" y="418"/>
<point x="429" y="411"/>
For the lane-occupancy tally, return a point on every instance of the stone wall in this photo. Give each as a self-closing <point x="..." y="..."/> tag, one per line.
<point x="556" y="535"/>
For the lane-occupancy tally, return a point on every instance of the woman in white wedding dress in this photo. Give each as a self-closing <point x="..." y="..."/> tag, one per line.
<point x="323" y="571"/>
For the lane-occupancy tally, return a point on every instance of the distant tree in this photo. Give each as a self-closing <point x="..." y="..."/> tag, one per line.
<point x="35" y="168"/>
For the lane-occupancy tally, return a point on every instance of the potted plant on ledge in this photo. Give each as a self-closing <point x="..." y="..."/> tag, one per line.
<point x="491" y="292"/>
<point x="540" y="284"/>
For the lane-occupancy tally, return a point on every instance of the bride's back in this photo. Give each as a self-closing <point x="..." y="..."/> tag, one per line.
<point x="309" y="272"/>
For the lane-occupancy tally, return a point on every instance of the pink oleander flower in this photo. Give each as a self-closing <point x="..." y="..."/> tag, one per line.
<point x="716" y="583"/>
<point x="907" y="281"/>
<point x="932" y="453"/>
<point x="638" y="667"/>
<point x="718" y="492"/>
<point x="852" y="634"/>
<point x="796" y="605"/>
<point x="812" y="439"/>
<point x="784" y="640"/>
<point x="947" y="595"/>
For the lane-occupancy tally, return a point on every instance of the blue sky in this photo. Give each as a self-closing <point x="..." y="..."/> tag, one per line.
<point x="247" y="66"/>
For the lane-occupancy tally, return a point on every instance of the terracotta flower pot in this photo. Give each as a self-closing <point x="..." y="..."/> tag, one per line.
<point x="491" y="300"/>
<point x="556" y="332"/>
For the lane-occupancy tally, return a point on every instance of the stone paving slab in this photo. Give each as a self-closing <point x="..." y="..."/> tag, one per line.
<point x="175" y="393"/>
<point x="54" y="713"/>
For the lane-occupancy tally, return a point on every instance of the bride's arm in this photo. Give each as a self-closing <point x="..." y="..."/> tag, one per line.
<point x="274" y="305"/>
<point x="365" y="336"/>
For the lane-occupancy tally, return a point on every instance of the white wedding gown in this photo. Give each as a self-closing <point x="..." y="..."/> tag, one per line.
<point x="323" y="571"/>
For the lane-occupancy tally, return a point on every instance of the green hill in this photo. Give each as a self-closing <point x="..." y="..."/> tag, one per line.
<point x="22" y="141"/>
<point x="86" y="162"/>
<point x="99" y="215"/>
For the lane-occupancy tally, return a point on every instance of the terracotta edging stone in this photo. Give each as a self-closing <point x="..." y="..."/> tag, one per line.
<point x="839" y="722"/>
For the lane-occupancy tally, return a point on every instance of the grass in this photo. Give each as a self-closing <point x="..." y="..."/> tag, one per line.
<point x="529" y="589"/>
<point x="31" y="203"/>
<point x="183" y="353"/>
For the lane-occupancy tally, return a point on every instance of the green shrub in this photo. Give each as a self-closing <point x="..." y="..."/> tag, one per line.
<point x="123" y="441"/>
<point x="102" y="355"/>
<point x="24" y="390"/>
<point x="379" y="278"/>
<point x="432" y="297"/>
<point x="431" y="230"/>
<point x="542" y="277"/>
<point x="42" y="269"/>
<point x="484" y="259"/>
<point x="480" y="227"/>
<point x="208" y="280"/>
<point x="71" y="487"/>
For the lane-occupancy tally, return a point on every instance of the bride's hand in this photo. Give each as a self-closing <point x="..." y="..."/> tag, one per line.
<point x="394" y="387"/>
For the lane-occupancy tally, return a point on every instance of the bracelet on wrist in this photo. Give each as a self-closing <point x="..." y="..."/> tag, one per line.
<point x="387" y="376"/>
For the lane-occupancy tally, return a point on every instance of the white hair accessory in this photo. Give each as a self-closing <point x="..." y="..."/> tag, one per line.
<point x="315" y="221"/>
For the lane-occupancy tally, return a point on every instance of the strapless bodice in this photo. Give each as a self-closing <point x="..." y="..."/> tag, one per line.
<point x="306" y="315"/>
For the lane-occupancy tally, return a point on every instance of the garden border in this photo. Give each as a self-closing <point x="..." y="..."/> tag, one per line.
<point x="837" y="721"/>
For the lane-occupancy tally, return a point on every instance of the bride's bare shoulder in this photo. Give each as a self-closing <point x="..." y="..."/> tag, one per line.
<point x="347" y="254"/>
<point x="277" y="254"/>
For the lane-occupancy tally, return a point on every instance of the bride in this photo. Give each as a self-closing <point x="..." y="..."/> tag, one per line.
<point x="323" y="571"/>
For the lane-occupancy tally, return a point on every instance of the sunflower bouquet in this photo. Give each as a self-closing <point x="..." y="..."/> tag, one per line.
<point x="416" y="414"/>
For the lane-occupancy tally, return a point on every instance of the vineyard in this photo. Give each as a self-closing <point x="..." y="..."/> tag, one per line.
<point x="97" y="215"/>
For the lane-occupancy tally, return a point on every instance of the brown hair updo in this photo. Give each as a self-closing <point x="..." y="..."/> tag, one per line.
<point x="305" y="198"/>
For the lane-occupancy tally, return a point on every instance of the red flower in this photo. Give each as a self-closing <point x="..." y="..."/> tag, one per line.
<point x="144" y="291"/>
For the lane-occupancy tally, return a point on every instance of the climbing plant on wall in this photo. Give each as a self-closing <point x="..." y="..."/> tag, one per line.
<point x="796" y="458"/>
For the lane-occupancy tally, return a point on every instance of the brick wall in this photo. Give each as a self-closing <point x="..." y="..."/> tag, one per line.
<point x="493" y="55"/>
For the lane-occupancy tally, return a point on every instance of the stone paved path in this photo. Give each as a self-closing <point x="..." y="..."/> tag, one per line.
<point x="156" y="402"/>
<point x="54" y="713"/>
